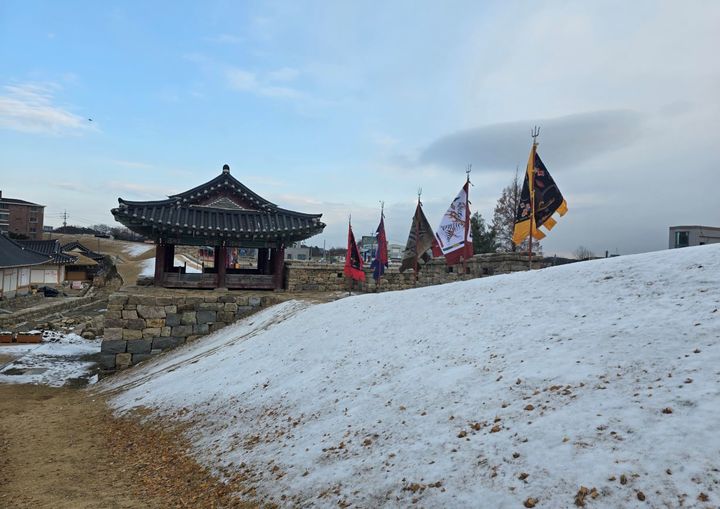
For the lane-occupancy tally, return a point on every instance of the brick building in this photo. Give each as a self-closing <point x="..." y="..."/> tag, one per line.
<point x="21" y="217"/>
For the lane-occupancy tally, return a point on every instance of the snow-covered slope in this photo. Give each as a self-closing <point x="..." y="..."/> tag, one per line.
<point x="476" y="394"/>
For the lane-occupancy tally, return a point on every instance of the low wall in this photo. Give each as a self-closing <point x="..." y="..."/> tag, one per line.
<point x="311" y="276"/>
<point x="140" y="325"/>
<point x="46" y="307"/>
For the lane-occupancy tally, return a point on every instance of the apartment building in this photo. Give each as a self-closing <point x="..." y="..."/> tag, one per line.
<point x="21" y="218"/>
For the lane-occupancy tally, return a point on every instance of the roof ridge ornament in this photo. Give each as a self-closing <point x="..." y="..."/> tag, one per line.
<point x="226" y="168"/>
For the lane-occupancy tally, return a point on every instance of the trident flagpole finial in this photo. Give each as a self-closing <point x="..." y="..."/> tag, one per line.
<point x="535" y="133"/>
<point x="468" y="169"/>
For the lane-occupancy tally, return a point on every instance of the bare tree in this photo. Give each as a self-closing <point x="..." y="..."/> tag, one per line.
<point x="503" y="223"/>
<point x="583" y="253"/>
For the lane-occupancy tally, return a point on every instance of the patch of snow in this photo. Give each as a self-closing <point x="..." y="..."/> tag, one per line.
<point x="148" y="266"/>
<point x="485" y="392"/>
<point x="52" y="362"/>
<point x="136" y="249"/>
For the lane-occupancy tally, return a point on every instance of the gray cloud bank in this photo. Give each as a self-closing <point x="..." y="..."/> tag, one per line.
<point x="572" y="139"/>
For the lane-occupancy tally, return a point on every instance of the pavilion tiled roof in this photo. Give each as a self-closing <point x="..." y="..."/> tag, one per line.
<point x="222" y="208"/>
<point x="49" y="248"/>
<point x="13" y="255"/>
<point x="78" y="247"/>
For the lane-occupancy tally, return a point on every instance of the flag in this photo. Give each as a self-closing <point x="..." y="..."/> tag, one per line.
<point x="454" y="235"/>
<point x="541" y="195"/>
<point x="353" y="260"/>
<point x="380" y="262"/>
<point x="419" y="242"/>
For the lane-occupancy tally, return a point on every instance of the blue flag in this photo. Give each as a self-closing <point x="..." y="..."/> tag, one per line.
<point x="380" y="263"/>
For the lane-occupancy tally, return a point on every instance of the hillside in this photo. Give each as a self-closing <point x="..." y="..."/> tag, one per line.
<point x="484" y="393"/>
<point x="129" y="257"/>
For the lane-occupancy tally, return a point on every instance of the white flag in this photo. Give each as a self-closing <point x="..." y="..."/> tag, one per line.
<point x="454" y="235"/>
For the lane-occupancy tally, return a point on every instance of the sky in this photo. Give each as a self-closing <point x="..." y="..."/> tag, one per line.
<point x="333" y="107"/>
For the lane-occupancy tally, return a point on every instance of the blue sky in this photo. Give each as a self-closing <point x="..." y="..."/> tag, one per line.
<point x="333" y="106"/>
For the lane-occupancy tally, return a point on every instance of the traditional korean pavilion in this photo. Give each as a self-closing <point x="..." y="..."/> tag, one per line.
<point x="221" y="213"/>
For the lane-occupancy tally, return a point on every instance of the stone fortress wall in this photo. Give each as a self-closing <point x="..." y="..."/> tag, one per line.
<point x="314" y="276"/>
<point x="143" y="321"/>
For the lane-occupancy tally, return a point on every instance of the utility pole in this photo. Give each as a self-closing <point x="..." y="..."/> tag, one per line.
<point x="65" y="219"/>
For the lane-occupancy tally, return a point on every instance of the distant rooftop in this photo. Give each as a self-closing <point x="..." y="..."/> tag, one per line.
<point x="695" y="227"/>
<point x="20" y="202"/>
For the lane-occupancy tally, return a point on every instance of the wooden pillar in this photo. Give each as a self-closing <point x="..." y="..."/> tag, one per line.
<point x="262" y="262"/>
<point x="277" y="258"/>
<point x="159" y="263"/>
<point x="221" y="262"/>
<point x="169" y="256"/>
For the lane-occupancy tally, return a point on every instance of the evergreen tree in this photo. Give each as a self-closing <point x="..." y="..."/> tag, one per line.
<point x="503" y="222"/>
<point x="483" y="236"/>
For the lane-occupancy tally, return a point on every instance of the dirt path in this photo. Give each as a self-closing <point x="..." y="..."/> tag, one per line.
<point x="60" y="448"/>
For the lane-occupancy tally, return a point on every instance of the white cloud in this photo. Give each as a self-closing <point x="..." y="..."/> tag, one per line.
<point x="30" y="108"/>
<point x="246" y="81"/>
<point x="226" y="39"/>
<point x="156" y="192"/>
<point x="130" y="164"/>
<point x="283" y="74"/>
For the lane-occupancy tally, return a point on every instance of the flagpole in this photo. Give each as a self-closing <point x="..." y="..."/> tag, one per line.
<point x="531" y="187"/>
<point x="417" y="237"/>
<point x="352" y="281"/>
<point x="377" y="249"/>
<point x="468" y="169"/>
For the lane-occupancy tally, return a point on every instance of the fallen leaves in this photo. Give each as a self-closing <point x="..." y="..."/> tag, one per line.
<point x="583" y="493"/>
<point x="160" y="461"/>
<point x="416" y="487"/>
<point x="530" y="502"/>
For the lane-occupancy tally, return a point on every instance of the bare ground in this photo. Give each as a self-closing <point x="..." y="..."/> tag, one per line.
<point x="61" y="448"/>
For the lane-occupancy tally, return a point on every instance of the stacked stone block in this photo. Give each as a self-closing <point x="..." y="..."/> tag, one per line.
<point x="139" y="326"/>
<point x="305" y="277"/>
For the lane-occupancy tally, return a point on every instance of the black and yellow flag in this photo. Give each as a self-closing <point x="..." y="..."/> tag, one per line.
<point x="539" y="200"/>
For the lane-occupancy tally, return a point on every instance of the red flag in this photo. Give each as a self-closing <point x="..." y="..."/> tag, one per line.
<point x="353" y="260"/>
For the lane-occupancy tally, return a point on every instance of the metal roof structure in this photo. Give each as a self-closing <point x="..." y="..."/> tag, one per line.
<point x="16" y="201"/>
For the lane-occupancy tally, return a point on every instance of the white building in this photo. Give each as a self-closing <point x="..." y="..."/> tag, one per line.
<point x="16" y="264"/>
<point x="684" y="236"/>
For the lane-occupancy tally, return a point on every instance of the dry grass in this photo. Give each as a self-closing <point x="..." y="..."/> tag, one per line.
<point x="128" y="266"/>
